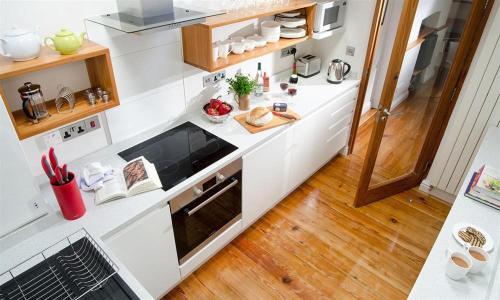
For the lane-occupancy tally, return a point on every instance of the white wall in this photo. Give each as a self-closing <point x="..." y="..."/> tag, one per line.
<point x="357" y="32"/>
<point x="18" y="190"/>
<point x="154" y="84"/>
<point x="477" y="108"/>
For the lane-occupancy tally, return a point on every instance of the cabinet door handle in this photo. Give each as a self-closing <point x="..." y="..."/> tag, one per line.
<point x="197" y="208"/>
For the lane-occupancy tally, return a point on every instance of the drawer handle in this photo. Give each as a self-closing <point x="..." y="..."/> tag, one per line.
<point x="337" y="110"/>
<point x="197" y="208"/>
<point x="338" y="122"/>
<point x="330" y="139"/>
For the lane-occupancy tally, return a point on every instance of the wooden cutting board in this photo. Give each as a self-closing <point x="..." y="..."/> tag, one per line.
<point x="275" y="122"/>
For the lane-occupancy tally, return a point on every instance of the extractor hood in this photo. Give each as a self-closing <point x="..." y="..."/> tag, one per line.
<point x="139" y="15"/>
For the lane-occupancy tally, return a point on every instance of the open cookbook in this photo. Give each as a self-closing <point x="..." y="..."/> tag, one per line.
<point x="136" y="177"/>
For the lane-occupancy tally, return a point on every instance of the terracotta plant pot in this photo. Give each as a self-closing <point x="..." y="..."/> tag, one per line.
<point x="243" y="102"/>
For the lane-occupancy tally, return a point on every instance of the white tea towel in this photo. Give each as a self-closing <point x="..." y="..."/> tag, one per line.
<point x="94" y="175"/>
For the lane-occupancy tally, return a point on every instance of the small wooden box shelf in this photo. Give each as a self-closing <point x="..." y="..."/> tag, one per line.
<point x="197" y="39"/>
<point x="100" y="73"/>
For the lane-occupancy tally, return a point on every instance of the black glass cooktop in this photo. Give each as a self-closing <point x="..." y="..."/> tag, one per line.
<point x="180" y="152"/>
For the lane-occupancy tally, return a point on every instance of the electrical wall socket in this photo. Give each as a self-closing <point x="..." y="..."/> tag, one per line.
<point x="349" y="50"/>
<point x="53" y="138"/>
<point x="212" y="79"/>
<point x="288" y="51"/>
<point x="79" y="128"/>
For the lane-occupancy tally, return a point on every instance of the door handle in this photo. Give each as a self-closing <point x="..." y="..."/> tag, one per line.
<point x="197" y="208"/>
<point x="383" y="114"/>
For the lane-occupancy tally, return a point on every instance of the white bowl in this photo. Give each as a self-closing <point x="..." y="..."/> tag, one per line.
<point x="260" y="41"/>
<point x="271" y="38"/>
<point x="270" y="30"/>
<point x="249" y="45"/>
<point x="238" y="47"/>
<point x="236" y="39"/>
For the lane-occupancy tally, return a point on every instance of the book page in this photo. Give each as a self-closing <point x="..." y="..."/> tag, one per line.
<point x="135" y="172"/>
<point x="112" y="189"/>
<point x="147" y="185"/>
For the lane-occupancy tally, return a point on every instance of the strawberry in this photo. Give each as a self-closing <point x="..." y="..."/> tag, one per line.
<point x="212" y="111"/>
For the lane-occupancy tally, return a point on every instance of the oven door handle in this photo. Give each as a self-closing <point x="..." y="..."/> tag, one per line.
<point x="197" y="208"/>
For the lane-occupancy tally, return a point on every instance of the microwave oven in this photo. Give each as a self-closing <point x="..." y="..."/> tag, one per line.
<point x="330" y="14"/>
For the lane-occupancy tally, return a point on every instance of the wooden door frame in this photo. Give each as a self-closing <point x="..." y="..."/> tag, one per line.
<point x="378" y="15"/>
<point x="454" y="82"/>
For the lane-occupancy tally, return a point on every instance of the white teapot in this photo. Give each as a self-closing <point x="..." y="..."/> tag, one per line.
<point x="20" y="44"/>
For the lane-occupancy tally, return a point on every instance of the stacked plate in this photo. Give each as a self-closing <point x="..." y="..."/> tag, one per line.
<point x="291" y="23"/>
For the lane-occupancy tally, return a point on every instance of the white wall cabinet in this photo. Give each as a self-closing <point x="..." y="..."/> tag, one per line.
<point x="147" y="248"/>
<point x="278" y="166"/>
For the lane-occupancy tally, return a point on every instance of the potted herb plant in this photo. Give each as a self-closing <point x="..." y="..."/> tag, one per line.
<point x="242" y="85"/>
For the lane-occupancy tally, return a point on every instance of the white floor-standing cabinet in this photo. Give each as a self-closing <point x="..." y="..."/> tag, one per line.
<point x="275" y="168"/>
<point x="265" y="176"/>
<point x="147" y="248"/>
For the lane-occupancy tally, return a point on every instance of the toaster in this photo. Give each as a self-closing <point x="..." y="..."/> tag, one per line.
<point x="308" y="65"/>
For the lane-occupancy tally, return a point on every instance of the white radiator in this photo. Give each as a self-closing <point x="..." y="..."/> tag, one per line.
<point x="478" y="107"/>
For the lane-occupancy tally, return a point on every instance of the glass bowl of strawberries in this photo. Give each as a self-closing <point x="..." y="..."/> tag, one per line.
<point x="217" y="111"/>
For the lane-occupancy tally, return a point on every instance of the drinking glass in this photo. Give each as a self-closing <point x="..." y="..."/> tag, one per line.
<point x="292" y="90"/>
<point x="284" y="87"/>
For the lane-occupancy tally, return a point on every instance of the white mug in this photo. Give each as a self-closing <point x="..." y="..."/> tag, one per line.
<point x="477" y="264"/>
<point x="224" y="49"/>
<point x="453" y="269"/>
<point x="215" y="51"/>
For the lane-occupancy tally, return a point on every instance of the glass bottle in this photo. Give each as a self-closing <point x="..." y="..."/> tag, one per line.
<point x="259" y="78"/>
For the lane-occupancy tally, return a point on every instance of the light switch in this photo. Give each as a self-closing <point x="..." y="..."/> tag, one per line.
<point x="349" y="50"/>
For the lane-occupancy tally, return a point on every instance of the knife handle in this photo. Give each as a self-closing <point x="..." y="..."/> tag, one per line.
<point x="65" y="173"/>
<point x="59" y="177"/>
<point x="46" y="167"/>
<point x="53" y="159"/>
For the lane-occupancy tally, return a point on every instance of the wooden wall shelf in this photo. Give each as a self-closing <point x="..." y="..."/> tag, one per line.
<point x="99" y="72"/>
<point x="233" y="59"/>
<point x="248" y="14"/>
<point x="82" y="109"/>
<point x="197" y="39"/>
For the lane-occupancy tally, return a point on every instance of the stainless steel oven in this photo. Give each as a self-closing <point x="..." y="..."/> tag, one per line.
<point x="330" y="14"/>
<point x="206" y="210"/>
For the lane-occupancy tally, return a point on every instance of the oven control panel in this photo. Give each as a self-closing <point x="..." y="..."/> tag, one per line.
<point x="205" y="185"/>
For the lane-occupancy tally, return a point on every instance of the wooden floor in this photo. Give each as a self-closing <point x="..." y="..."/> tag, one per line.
<point x="315" y="245"/>
<point x="404" y="135"/>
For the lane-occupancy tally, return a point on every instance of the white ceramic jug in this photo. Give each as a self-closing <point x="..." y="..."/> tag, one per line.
<point x="20" y="44"/>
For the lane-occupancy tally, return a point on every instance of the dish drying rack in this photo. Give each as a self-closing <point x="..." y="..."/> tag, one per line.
<point x="69" y="269"/>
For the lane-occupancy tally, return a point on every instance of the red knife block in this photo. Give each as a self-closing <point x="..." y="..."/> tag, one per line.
<point x="69" y="198"/>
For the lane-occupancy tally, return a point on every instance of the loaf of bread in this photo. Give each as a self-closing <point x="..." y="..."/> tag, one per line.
<point x="259" y="116"/>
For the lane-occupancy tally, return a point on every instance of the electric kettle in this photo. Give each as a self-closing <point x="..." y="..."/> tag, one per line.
<point x="337" y="71"/>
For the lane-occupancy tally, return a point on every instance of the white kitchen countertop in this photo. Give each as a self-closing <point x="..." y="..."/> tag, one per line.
<point x="103" y="220"/>
<point x="432" y="283"/>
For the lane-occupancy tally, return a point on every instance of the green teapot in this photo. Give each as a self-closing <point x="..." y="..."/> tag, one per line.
<point x="65" y="41"/>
